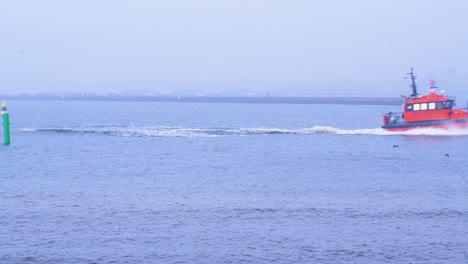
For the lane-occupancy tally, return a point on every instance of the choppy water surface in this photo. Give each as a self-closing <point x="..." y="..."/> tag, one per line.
<point x="90" y="182"/>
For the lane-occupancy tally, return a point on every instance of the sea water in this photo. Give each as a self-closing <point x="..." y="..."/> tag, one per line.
<point x="128" y="182"/>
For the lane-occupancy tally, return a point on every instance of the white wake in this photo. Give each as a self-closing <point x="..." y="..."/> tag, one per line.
<point x="172" y="131"/>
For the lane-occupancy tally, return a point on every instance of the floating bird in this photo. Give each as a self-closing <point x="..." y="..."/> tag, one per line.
<point x="447" y="155"/>
<point x="395" y="146"/>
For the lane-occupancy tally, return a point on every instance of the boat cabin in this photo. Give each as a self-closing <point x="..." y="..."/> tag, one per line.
<point x="428" y="107"/>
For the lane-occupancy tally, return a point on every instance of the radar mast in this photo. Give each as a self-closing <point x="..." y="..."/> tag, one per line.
<point x="413" y="84"/>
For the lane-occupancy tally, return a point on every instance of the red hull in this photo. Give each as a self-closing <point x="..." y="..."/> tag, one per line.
<point x="448" y="125"/>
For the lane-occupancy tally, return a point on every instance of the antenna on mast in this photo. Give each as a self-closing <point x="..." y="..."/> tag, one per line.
<point x="413" y="84"/>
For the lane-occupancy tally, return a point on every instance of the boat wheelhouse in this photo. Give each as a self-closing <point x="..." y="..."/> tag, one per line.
<point x="432" y="110"/>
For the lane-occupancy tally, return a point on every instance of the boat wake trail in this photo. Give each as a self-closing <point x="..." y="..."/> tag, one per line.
<point x="171" y="131"/>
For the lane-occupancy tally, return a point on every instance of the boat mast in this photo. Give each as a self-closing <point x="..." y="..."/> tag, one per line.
<point x="413" y="84"/>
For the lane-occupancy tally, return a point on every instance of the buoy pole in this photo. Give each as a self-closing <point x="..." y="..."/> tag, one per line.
<point x="6" y="124"/>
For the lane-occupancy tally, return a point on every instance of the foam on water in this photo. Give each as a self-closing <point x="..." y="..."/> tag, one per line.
<point x="171" y="131"/>
<point x="383" y="132"/>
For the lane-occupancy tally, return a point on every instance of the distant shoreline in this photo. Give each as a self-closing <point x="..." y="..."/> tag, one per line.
<point x="217" y="99"/>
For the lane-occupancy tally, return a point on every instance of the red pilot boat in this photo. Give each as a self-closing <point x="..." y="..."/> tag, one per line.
<point x="423" y="111"/>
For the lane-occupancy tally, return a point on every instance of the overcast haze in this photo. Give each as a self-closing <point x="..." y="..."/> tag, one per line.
<point x="263" y="46"/>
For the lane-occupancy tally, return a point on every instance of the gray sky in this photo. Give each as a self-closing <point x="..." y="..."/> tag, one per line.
<point x="295" y="45"/>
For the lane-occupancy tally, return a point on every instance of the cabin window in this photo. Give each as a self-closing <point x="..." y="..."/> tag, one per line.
<point x="432" y="106"/>
<point x="409" y="107"/>
<point x="417" y="107"/>
<point x="444" y="105"/>
<point x="424" y="106"/>
<point x="448" y="104"/>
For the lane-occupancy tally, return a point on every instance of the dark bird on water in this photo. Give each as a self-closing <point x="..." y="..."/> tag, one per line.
<point x="395" y="146"/>
<point x="447" y="155"/>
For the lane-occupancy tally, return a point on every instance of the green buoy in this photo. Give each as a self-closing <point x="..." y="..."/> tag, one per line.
<point x="6" y="125"/>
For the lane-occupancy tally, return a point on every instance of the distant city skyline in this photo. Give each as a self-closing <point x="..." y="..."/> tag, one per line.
<point x="446" y="80"/>
<point x="340" y="47"/>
